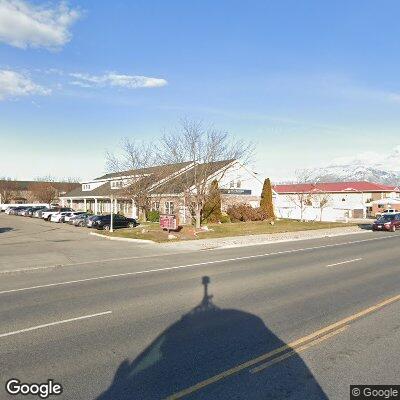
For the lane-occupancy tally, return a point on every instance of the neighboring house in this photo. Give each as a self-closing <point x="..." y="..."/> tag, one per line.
<point x="22" y="192"/>
<point x="377" y="207"/>
<point x="167" y="187"/>
<point x="342" y="199"/>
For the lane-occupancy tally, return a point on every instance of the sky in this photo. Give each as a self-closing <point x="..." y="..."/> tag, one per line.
<point x="309" y="82"/>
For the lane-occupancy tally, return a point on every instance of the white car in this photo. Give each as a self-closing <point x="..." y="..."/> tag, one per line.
<point x="46" y="215"/>
<point x="59" y="217"/>
<point x="73" y="214"/>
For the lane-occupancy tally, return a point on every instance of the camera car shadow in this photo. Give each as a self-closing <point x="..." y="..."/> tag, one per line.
<point x="201" y="349"/>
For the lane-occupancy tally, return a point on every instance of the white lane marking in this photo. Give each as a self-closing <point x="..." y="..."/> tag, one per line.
<point x="108" y="260"/>
<point x="344" y="262"/>
<point x="191" y="265"/>
<point x="33" y="328"/>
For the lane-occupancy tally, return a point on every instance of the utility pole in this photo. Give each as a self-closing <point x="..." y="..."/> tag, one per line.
<point x="112" y="209"/>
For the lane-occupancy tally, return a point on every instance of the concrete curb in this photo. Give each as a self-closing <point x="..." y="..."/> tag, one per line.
<point x="241" y="241"/>
<point x="290" y="240"/>
<point x="121" y="239"/>
<point x="193" y="245"/>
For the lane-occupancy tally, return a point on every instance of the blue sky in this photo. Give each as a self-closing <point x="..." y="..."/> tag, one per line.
<point x="308" y="81"/>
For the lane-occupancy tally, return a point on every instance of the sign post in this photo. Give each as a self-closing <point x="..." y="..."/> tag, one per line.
<point x="168" y="222"/>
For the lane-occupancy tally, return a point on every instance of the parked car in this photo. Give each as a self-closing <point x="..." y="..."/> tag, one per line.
<point x="22" y="210"/>
<point x="31" y="211"/>
<point x="26" y="211"/>
<point x="59" y="217"/>
<point x="46" y="215"/>
<point x="387" y="211"/>
<point x="73" y="214"/>
<point x="39" y="213"/>
<point x="79" y="220"/>
<point x="387" y="222"/>
<point x="91" y="219"/>
<point x="16" y="210"/>
<point x="119" y="221"/>
<point x="10" y="209"/>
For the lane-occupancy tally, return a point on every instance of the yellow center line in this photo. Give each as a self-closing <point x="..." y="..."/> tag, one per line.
<point x="290" y="346"/>
<point x="297" y="350"/>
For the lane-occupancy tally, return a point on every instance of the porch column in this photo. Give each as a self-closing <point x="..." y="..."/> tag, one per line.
<point x="95" y="206"/>
<point x="115" y="206"/>
<point x="70" y="202"/>
<point x="134" y="210"/>
<point x="84" y="205"/>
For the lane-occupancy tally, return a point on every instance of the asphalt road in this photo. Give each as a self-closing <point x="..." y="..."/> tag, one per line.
<point x="290" y="320"/>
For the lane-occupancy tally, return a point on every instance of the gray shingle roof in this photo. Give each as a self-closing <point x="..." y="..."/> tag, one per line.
<point x="144" y="171"/>
<point x="175" y="185"/>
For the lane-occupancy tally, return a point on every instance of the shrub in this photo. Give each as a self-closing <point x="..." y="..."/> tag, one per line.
<point x="266" y="203"/>
<point x="153" y="216"/>
<point x="245" y="212"/>
<point x="225" y="219"/>
<point x="212" y="208"/>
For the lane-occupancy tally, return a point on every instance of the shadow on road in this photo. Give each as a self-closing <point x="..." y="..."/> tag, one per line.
<point x="367" y="227"/>
<point x="2" y="230"/>
<point x="203" y="343"/>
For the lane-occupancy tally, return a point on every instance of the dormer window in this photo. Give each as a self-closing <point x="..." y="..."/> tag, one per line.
<point x="116" y="184"/>
<point x="85" y="186"/>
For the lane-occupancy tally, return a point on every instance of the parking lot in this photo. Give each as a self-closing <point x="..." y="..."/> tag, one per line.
<point x="27" y="243"/>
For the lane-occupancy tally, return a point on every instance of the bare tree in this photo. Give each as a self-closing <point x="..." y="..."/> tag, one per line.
<point x="302" y="198"/>
<point x="44" y="189"/>
<point x="321" y="200"/>
<point x="205" y="148"/>
<point x="139" y="158"/>
<point x="8" y="189"/>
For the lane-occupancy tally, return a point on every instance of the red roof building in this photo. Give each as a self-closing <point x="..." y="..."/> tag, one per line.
<point x="336" y="187"/>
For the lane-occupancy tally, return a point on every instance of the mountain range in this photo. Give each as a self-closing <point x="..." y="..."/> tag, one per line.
<point x="369" y="166"/>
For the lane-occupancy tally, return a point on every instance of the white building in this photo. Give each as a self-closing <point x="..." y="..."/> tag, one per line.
<point x="168" y="188"/>
<point x="331" y="201"/>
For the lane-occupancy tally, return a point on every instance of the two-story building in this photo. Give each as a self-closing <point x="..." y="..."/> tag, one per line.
<point x="167" y="187"/>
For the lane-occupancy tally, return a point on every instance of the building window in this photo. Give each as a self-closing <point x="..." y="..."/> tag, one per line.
<point x="85" y="187"/>
<point x="169" y="207"/>
<point x="231" y="184"/>
<point x="238" y="184"/>
<point x="155" y="206"/>
<point x="116" y="184"/>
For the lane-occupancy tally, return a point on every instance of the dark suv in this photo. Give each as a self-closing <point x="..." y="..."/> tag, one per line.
<point x="119" y="221"/>
<point x="387" y="222"/>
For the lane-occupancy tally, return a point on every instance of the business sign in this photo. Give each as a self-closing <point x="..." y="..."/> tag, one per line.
<point x="236" y="191"/>
<point x="168" y="221"/>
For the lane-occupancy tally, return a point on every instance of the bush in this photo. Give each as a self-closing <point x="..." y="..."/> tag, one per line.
<point x="245" y="212"/>
<point x="225" y="219"/>
<point x="153" y="216"/>
<point x="212" y="207"/>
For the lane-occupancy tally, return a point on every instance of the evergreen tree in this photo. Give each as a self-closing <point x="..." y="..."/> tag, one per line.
<point x="212" y="207"/>
<point x="266" y="203"/>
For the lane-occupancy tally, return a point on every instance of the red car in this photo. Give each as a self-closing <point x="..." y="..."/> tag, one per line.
<point x="387" y="222"/>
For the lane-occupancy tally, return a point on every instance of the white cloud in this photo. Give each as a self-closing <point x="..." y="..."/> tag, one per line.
<point x="27" y="25"/>
<point x="118" y="80"/>
<point x="14" y="84"/>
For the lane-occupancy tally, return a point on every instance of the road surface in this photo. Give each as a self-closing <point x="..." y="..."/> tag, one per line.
<point x="298" y="320"/>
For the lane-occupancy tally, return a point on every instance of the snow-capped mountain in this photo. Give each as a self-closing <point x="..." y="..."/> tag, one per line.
<point x="371" y="166"/>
